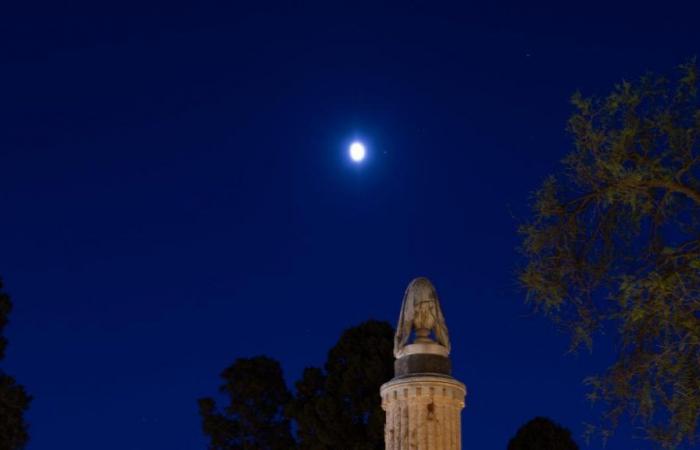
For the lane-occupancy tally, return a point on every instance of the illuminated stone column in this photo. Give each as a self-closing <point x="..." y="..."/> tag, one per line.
<point x="423" y="403"/>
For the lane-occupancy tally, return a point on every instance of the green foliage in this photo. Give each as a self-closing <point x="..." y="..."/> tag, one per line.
<point x="254" y="418"/>
<point x="614" y="246"/>
<point x="340" y="407"/>
<point x="14" y="400"/>
<point x="542" y="434"/>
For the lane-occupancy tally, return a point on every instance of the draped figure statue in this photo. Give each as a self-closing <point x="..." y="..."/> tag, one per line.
<point x="420" y="312"/>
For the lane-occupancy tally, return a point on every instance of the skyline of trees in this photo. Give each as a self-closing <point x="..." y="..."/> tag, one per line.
<point x="337" y="406"/>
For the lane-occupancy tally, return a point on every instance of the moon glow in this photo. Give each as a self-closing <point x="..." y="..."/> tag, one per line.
<point x="357" y="151"/>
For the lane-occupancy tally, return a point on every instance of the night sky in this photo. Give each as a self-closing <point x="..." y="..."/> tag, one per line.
<point x="175" y="192"/>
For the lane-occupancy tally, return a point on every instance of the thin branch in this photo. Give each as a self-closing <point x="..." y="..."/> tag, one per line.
<point x="676" y="187"/>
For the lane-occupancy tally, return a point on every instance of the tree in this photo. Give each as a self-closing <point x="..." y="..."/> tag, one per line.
<point x="614" y="246"/>
<point x="14" y="400"/>
<point x="340" y="407"/>
<point x="335" y="407"/>
<point x="254" y="417"/>
<point x="542" y="434"/>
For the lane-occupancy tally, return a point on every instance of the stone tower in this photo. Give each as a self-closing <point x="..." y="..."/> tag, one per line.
<point x="422" y="402"/>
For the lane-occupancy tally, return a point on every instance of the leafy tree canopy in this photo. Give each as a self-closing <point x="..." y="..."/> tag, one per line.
<point x="14" y="400"/>
<point x="340" y="407"/>
<point x="254" y="417"/>
<point x="334" y="407"/>
<point x="542" y="434"/>
<point x="613" y="246"/>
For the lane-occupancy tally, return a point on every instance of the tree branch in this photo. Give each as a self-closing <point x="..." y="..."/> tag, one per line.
<point x="676" y="187"/>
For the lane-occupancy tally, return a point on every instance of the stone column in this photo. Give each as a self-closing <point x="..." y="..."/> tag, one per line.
<point x="423" y="403"/>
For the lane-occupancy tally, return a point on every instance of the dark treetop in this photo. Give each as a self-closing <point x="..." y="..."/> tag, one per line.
<point x="14" y="399"/>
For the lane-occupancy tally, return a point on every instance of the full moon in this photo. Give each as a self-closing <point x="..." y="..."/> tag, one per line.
<point x="357" y="151"/>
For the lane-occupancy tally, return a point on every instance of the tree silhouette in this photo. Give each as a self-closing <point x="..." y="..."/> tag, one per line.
<point x="614" y="245"/>
<point x="340" y="407"/>
<point x="541" y="433"/>
<point x="337" y="407"/>
<point x="14" y="400"/>
<point x="254" y="417"/>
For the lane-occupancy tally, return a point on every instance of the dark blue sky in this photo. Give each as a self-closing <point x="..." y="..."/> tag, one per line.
<point x="175" y="193"/>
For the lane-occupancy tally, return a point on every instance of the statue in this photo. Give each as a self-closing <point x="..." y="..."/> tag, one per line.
<point x="420" y="312"/>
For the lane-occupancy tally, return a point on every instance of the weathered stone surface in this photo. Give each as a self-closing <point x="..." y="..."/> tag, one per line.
<point x="420" y="313"/>
<point x="423" y="413"/>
